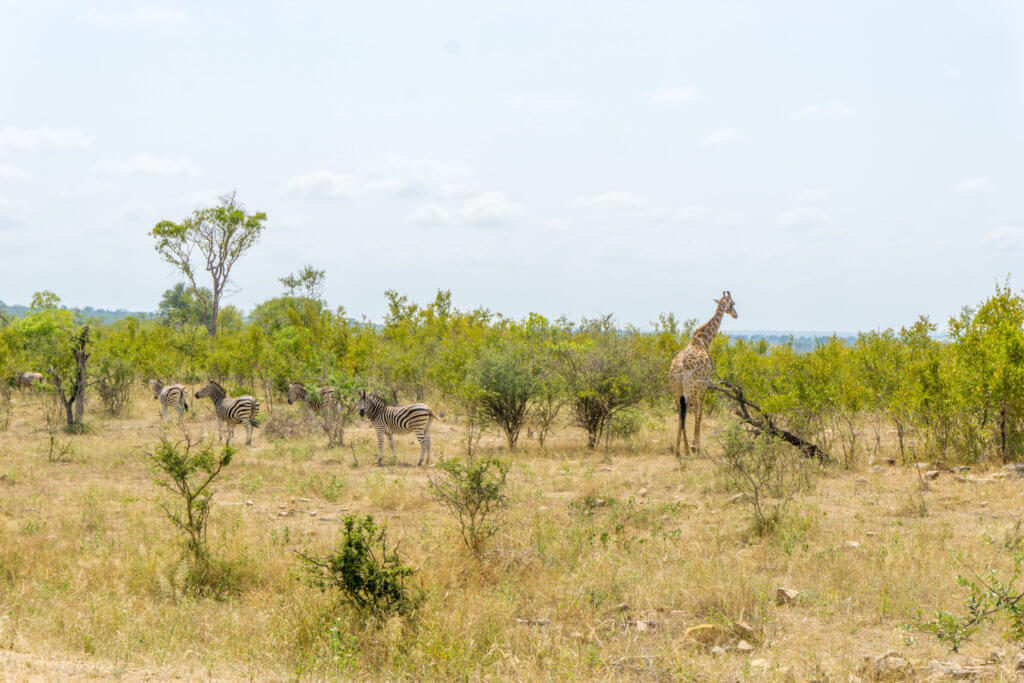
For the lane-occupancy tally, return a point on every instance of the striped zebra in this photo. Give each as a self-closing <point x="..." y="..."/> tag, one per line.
<point x="316" y="400"/>
<point x="388" y="420"/>
<point x="241" y="410"/>
<point x="170" y="396"/>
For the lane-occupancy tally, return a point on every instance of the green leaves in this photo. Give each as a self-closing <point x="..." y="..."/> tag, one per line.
<point x="474" y="492"/>
<point x="219" y="235"/>
<point x="367" y="574"/>
<point x="989" y="598"/>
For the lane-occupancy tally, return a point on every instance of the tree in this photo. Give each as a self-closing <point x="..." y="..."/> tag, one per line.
<point x="307" y="282"/>
<point x="220" y="235"/>
<point x="507" y="376"/>
<point x="180" y="307"/>
<point x="605" y="373"/>
<point x="74" y="400"/>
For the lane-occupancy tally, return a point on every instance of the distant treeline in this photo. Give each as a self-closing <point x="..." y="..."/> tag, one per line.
<point x="801" y="342"/>
<point x="86" y="314"/>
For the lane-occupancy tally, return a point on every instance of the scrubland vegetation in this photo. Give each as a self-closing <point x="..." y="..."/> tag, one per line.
<point x="557" y="537"/>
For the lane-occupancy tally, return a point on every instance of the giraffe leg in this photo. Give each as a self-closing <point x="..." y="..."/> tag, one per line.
<point x="681" y="431"/>
<point x="380" y="447"/>
<point x="696" y="428"/>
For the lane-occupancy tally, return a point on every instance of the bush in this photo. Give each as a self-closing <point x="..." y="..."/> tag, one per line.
<point x="605" y="372"/>
<point x="475" y="493"/>
<point x="989" y="598"/>
<point x="187" y="468"/>
<point x="115" y="386"/>
<point x="370" y="577"/>
<point x="767" y="471"/>
<point x="627" y="423"/>
<point x="507" y="376"/>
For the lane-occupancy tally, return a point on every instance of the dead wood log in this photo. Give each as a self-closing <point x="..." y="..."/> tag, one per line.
<point x="762" y="422"/>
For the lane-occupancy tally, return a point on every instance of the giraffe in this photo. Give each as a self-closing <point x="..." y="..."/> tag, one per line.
<point x="692" y="370"/>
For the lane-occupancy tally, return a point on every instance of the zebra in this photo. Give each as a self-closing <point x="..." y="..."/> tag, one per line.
<point x="170" y="396"/>
<point x="315" y="400"/>
<point x="388" y="420"/>
<point x="28" y="380"/>
<point x="231" y="411"/>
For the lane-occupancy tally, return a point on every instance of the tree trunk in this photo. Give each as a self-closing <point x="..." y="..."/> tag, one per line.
<point x="82" y="372"/>
<point x="211" y="324"/>
<point x="1002" y="433"/>
<point x="74" y="403"/>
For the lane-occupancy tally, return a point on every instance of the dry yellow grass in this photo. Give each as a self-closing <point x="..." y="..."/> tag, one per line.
<point x="87" y="564"/>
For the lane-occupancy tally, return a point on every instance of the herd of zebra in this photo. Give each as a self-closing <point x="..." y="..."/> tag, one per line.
<point x="387" y="420"/>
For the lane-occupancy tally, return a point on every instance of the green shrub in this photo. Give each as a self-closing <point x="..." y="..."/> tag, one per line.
<point x="368" y="576"/>
<point x="474" y="492"/>
<point x="766" y="470"/>
<point x="990" y="598"/>
<point x="186" y="469"/>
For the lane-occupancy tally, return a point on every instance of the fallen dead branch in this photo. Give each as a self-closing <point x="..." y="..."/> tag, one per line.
<point x="762" y="422"/>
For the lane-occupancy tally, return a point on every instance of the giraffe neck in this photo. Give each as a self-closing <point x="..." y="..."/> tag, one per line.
<point x="705" y="334"/>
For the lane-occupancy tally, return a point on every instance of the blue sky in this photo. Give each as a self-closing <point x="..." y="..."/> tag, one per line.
<point x="835" y="165"/>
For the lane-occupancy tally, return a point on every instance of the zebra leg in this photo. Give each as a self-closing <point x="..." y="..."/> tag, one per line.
<point x="163" y="411"/>
<point x="424" y="440"/>
<point x="248" y="433"/>
<point x="391" y="443"/>
<point x="380" y="447"/>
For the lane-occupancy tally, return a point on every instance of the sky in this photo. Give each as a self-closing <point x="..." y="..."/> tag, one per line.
<point x="836" y="166"/>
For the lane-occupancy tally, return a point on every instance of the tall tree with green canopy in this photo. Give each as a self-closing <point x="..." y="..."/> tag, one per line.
<point x="210" y="240"/>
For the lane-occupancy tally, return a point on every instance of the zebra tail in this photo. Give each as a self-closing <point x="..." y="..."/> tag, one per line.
<point x="437" y="417"/>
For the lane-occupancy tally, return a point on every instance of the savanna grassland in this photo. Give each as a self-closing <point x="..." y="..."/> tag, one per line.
<point x="605" y="558"/>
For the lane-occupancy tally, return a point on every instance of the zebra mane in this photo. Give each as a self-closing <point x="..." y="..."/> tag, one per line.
<point x="374" y="397"/>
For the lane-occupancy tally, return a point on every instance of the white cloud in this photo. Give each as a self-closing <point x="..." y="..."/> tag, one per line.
<point x="973" y="186"/>
<point x="205" y="199"/>
<point x="391" y="176"/>
<point x="676" y="95"/>
<point x="34" y="139"/>
<point x="1004" y="238"/>
<point x="486" y="208"/>
<point x="811" y="194"/>
<point x="640" y="206"/>
<point x="137" y="210"/>
<point x="626" y="200"/>
<point x="833" y="109"/>
<point x="143" y="17"/>
<point x="8" y="219"/>
<point x="720" y="136"/>
<point x="804" y="217"/>
<point x="8" y="172"/>
<point x="546" y="103"/>
<point x="147" y="164"/>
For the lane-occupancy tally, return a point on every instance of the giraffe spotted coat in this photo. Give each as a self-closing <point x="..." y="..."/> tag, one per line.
<point x="692" y="371"/>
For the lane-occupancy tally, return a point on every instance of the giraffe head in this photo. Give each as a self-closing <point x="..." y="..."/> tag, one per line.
<point x="727" y="304"/>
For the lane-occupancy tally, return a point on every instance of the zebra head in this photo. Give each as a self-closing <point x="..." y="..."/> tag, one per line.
<point x="370" y="404"/>
<point x="296" y="391"/>
<point x="157" y="386"/>
<point x="212" y="389"/>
